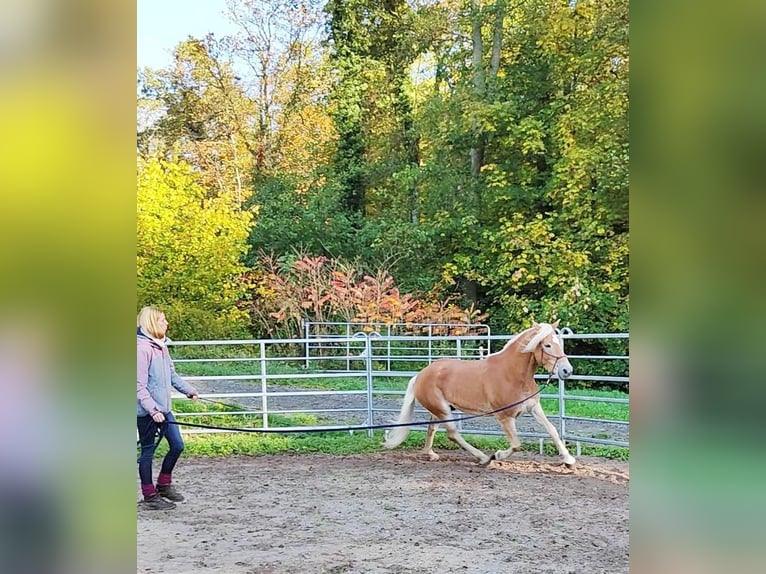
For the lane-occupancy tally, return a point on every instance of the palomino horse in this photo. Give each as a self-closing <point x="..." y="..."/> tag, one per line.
<point x="502" y="379"/>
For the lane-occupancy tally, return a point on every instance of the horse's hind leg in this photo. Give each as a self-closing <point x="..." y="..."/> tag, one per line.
<point x="455" y="436"/>
<point x="429" y="446"/>
<point x="537" y="412"/>
<point x="509" y="427"/>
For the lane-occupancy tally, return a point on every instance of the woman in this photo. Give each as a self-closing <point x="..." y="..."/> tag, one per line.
<point x="156" y="375"/>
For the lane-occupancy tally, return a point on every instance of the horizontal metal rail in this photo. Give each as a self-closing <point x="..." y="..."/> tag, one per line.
<point x="595" y="420"/>
<point x="595" y="399"/>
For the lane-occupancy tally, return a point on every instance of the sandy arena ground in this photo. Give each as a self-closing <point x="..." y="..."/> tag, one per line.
<point x="391" y="513"/>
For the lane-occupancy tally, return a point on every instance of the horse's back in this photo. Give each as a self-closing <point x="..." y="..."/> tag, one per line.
<point x="456" y="382"/>
<point x="473" y="386"/>
<point x="448" y="370"/>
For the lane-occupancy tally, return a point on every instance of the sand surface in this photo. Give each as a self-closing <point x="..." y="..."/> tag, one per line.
<point x="391" y="512"/>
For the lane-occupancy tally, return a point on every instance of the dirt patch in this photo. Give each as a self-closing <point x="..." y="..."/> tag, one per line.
<point x="391" y="513"/>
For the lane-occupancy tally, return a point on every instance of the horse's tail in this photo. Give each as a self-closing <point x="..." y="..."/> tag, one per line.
<point x="396" y="436"/>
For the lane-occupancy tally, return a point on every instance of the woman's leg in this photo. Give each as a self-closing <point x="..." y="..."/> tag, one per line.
<point x="147" y="429"/>
<point x="176" y="444"/>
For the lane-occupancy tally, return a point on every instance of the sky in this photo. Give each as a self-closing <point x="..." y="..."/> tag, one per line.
<point x="162" y="24"/>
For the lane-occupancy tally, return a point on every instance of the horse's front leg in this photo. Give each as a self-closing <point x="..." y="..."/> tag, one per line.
<point x="537" y="412"/>
<point x="509" y="428"/>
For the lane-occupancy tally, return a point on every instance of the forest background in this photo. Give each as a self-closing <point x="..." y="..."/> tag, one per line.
<point x="388" y="160"/>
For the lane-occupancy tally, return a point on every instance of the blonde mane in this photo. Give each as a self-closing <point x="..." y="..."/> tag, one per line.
<point x="509" y="343"/>
<point x="544" y="329"/>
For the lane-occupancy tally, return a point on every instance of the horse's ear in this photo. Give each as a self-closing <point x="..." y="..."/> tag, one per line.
<point x="556" y="324"/>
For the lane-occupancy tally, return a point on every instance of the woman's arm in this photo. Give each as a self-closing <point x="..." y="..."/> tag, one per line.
<point x="142" y="370"/>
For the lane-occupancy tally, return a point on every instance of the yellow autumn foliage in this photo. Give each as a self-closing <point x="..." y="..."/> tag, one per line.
<point x="189" y="249"/>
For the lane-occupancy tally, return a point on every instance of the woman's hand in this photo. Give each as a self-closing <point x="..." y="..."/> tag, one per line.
<point x="193" y="396"/>
<point x="158" y="417"/>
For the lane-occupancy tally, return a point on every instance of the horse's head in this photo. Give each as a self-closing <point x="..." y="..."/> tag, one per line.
<point x="548" y="348"/>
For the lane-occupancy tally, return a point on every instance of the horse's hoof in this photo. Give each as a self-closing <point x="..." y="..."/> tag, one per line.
<point x="570" y="465"/>
<point x="490" y="458"/>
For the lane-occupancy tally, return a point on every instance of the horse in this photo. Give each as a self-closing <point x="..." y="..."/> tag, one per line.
<point x="502" y="379"/>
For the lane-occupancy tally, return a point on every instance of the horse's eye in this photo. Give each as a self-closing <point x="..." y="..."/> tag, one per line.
<point x="547" y="345"/>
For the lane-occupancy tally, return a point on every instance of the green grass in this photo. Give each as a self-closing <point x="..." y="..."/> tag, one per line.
<point x="589" y="409"/>
<point x="218" y="416"/>
<point x="234" y="368"/>
<point x="596" y="410"/>
<point x="345" y="443"/>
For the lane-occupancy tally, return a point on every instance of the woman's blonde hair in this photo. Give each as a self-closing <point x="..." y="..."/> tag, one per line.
<point x="148" y="320"/>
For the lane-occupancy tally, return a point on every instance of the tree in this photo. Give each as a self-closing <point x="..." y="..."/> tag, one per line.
<point x="203" y="117"/>
<point x="189" y="246"/>
<point x="350" y="45"/>
<point x="277" y="47"/>
<point x="554" y="225"/>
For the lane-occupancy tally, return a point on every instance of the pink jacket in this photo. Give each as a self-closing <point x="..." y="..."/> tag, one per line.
<point x="156" y="375"/>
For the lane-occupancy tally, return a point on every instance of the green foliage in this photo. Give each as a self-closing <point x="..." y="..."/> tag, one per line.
<point x="547" y="237"/>
<point x="535" y="270"/>
<point x="372" y="46"/>
<point x="189" y="246"/>
<point x="293" y="218"/>
<point x="412" y="252"/>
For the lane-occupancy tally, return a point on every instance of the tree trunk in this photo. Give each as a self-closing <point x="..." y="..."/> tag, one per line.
<point x="477" y="152"/>
<point x="497" y="38"/>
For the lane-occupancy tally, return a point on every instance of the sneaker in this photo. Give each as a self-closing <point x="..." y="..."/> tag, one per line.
<point x="156" y="502"/>
<point x="168" y="491"/>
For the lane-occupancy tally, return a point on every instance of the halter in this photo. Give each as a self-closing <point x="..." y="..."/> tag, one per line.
<point x="557" y="357"/>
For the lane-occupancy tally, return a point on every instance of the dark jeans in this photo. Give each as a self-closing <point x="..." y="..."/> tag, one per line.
<point x="147" y="430"/>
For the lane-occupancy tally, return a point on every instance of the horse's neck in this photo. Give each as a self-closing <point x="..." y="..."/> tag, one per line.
<point x="530" y="365"/>
<point x="524" y="363"/>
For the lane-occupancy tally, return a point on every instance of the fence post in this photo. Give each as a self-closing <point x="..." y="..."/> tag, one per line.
<point x="368" y="363"/>
<point x="264" y="399"/>
<point x="562" y="411"/>
<point x="306" y="335"/>
<point x="348" y="346"/>
<point x="562" y="390"/>
<point x="459" y="351"/>
<point x="430" y="340"/>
